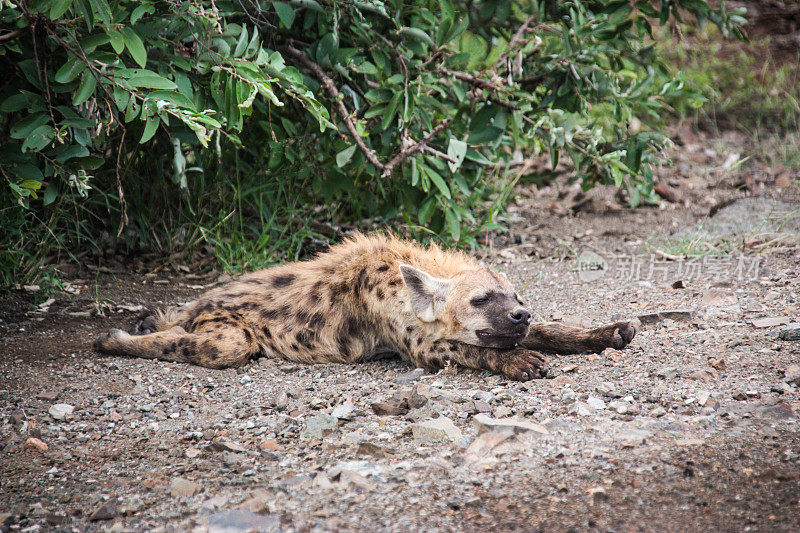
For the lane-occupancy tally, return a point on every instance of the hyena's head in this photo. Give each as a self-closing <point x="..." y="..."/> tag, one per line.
<point x="476" y="306"/>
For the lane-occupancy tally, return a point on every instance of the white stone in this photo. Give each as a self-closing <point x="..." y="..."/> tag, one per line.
<point x="60" y="411"/>
<point x="512" y="425"/>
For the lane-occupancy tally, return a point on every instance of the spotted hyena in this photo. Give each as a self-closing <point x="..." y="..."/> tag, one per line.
<point x="365" y="298"/>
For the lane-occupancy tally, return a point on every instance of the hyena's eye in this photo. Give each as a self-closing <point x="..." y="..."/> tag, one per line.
<point x="480" y="300"/>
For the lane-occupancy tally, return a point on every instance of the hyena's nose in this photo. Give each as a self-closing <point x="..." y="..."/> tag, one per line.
<point x="520" y="316"/>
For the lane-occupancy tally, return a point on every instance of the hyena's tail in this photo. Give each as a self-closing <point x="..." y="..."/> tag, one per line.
<point x="153" y="320"/>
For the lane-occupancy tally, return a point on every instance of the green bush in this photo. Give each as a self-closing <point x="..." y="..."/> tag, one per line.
<point x="163" y="124"/>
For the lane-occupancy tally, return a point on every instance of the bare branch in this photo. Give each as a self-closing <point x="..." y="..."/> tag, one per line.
<point x="437" y="153"/>
<point x="413" y="149"/>
<point x="336" y="97"/>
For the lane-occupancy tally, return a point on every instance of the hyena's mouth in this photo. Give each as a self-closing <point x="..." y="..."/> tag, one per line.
<point x="495" y="339"/>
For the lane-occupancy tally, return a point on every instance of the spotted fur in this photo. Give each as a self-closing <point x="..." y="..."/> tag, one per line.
<point x="363" y="298"/>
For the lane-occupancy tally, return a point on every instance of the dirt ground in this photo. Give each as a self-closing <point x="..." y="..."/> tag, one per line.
<point x="693" y="427"/>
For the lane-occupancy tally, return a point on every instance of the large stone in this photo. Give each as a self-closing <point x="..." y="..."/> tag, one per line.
<point x="516" y="426"/>
<point x="679" y="315"/>
<point x="105" y="511"/>
<point x="344" y="412"/>
<point x="435" y="429"/>
<point x="61" y="411"/>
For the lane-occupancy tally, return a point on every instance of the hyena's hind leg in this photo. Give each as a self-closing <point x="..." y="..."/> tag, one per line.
<point x="218" y="349"/>
<point x="559" y="338"/>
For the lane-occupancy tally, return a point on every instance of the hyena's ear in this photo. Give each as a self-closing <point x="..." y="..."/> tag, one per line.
<point x="428" y="294"/>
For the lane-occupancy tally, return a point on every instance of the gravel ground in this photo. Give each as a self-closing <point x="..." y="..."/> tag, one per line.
<point x="693" y="427"/>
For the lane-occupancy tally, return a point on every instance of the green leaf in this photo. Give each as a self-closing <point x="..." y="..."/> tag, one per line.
<point x="457" y="150"/>
<point x="343" y="157"/>
<point x="241" y="44"/>
<point x="438" y="181"/>
<point x="453" y="224"/>
<point x="58" y="8"/>
<point x="173" y="97"/>
<point x="417" y="34"/>
<point x="103" y="10"/>
<point x="65" y="153"/>
<point x="135" y="46"/>
<point x="15" y="102"/>
<point x="150" y="127"/>
<point x="285" y="13"/>
<point x="86" y="88"/>
<point x="24" y="127"/>
<point x="69" y="70"/>
<point x="140" y="10"/>
<point x="27" y="171"/>
<point x="153" y="81"/>
<point x="38" y="138"/>
<point x="50" y="193"/>
<point x="117" y="41"/>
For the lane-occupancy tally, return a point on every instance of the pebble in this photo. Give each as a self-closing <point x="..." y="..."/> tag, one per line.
<point x="61" y="411"/>
<point x="386" y="409"/>
<point x="668" y="373"/>
<point x="619" y="406"/>
<point x="581" y="409"/>
<point x="49" y="396"/>
<point x="435" y="429"/>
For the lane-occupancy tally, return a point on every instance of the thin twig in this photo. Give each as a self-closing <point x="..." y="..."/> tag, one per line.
<point x="413" y="149"/>
<point x="437" y="153"/>
<point x="336" y="97"/>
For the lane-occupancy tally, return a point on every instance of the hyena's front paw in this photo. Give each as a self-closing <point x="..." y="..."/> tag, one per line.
<point x="109" y="342"/>
<point x="522" y="365"/>
<point x="617" y="335"/>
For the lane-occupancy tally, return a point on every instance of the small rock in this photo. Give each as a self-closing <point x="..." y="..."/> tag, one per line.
<point x="703" y="397"/>
<point x="224" y="444"/>
<point x="130" y="504"/>
<point x="769" y="322"/>
<point x="435" y="429"/>
<point x="242" y="521"/>
<point x="704" y="375"/>
<point x="597" y="494"/>
<point x="633" y="437"/>
<point x="49" y="396"/>
<point x="105" y="511"/>
<point x="281" y="401"/>
<point x="658" y="412"/>
<point x="595" y="403"/>
<point x="485" y="423"/>
<point x="791" y="332"/>
<point x="191" y="453"/>
<point x="318" y="426"/>
<point x="717" y="363"/>
<point x="792" y="375"/>
<point x="481" y="406"/>
<point x="409" y="377"/>
<point x="385" y="409"/>
<point x="371" y="449"/>
<point x="36" y="444"/>
<point x="182" y="487"/>
<point x="619" y="406"/>
<point x="581" y="409"/>
<point x="679" y="315"/>
<point x="778" y="411"/>
<point x="502" y="411"/>
<point x="739" y="395"/>
<point x="690" y="442"/>
<point x="61" y="411"/>
<point x="667" y="373"/>
<point x="345" y="411"/>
